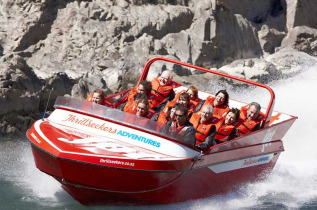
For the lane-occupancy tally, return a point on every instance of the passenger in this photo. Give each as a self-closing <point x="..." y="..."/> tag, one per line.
<point x="143" y="109"/>
<point x="219" y="103"/>
<point x="227" y="127"/>
<point x="250" y="119"/>
<point x="183" y="99"/>
<point x="131" y="105"/>
<point x="98" y="97"/>
<point x="163" y="119"/>
<point x="141" y="116"/>
<point x="193" y="93"/>
<point x="180" y="128"/>
<point x="205" y="126"/>
<point x="144" y="87"/>
<point x="162" y="90"/>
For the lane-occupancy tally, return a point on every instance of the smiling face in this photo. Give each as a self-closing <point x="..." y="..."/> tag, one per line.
<point x="191" y="94"/>
<point x="96" y="98"/>
<point x="219" y="100"/>
<point x="230" y="118"/>
<point x="206" y="114"/>
<point x="141" y="109"/>
<point x="141" y="89"/>
<point x="182" y="101"/>
<point x="252" y="113"/>
<point x="165" y="78"/>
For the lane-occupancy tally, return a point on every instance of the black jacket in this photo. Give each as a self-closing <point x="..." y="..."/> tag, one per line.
<point x="188" y="137"/>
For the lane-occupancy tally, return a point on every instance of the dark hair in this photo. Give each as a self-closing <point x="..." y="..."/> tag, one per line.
<point x="183" y="109"/>
<point x="172" y="107"/>
<point x="185" y="96"/>
<point x="144" y="101"/>
<point x="100" y="92"/>
<point x="147" y="86"/>
<point x="236" y="112"/>
<point x="195" y="91"/>
<point x="140" y="96"/>
<point x="226" y="102"/>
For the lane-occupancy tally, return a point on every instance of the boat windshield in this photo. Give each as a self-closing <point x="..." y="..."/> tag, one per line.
<point x="115" y="115"/>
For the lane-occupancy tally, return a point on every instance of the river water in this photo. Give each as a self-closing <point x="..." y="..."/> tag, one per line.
<point x="292" y="184"/>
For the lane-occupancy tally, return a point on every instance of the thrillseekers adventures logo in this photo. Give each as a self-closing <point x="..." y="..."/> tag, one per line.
<point x="139" y="138"/>
<point x="89" y="123"/>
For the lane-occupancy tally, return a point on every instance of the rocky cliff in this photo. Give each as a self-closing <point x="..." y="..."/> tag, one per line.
<point x="58" y="47"/>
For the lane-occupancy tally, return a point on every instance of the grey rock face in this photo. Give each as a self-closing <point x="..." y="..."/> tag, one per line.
<point x="270" y="39"/>
<point x="303" y="39"/>
<point x="256" y="69"/>
<point x="301" y="13"/>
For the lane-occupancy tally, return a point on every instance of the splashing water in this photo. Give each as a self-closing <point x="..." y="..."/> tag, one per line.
<point x="292" y="184"/>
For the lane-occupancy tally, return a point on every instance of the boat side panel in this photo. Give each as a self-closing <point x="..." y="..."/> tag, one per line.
<point x="196" y="184"/>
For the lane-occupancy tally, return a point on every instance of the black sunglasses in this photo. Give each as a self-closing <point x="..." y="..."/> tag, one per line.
<point x="178" y="115"/>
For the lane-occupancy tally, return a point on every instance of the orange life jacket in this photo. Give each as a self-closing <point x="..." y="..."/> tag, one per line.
<point x="130" y="96"/>
<point x="130" y="107"/>
<point x="223" y="132"/>
<point x="246" y="125"/>
<point x="202" y="129"/>
<point x="158" y="93"/>
<point x="192" y="103"/>
<point x="104" y="103"/>
<point x="150" y="114"/>
<point x="195" y="102"/>
<point x="163" y="117"/>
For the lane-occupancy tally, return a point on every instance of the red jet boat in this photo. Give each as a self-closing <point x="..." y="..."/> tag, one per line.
<point x="99" y="157"/>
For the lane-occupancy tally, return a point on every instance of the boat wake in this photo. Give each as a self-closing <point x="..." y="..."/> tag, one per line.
<point x="292" y="184"/>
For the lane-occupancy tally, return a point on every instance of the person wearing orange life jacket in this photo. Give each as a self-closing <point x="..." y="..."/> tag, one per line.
<point x="193" y="93"/>
<point x="250" y="119"/>
<point x="220" y="103"/>
<point x="182" y="99"/>
<point x="144" y="87"/>
<point x="162" y="90"/>
<point x="131" y="105"/>
<point x="180" y="128"/>
<point x="227" y="127"/>
<point x="143" y="109"/>
<point x="142" y="114"/>
<point x="205" y="126"/>
<point x="163" y="119"/>
<point x="98" y="97"/>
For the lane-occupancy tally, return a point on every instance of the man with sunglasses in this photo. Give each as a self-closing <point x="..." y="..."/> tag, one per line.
<point x="180" y="128"/>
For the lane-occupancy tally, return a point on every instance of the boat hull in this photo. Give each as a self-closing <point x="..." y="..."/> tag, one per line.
<point x="95" y="185"/>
